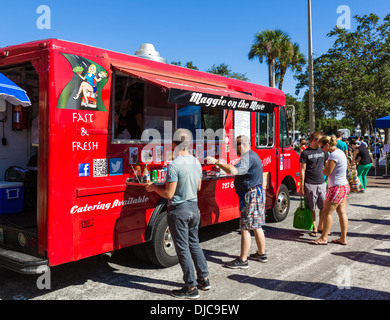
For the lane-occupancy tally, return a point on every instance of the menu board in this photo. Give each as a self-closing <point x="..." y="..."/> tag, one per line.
<point x="242" y="123"/>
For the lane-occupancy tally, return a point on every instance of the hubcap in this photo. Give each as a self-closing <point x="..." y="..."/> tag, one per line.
<point x="282" y="203"/>
<point x="169" y="247"/>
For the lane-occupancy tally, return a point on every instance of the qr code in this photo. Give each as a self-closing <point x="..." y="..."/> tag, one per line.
<point x="99" y="167"/>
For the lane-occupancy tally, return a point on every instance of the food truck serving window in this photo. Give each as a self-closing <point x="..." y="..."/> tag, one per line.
<point x="141" y="105"/>
<point x="190" y="103"/>
<point x="194" y="118"/>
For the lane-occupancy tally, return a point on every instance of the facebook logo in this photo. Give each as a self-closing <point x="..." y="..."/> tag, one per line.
<point x="84" y="169"/>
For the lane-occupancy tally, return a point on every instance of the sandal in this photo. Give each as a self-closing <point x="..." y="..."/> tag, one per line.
<point x="337" y="241"/>
<point x="318" y="243"/>
<point x="320" y="231"/>
<point x="313" y="234"/>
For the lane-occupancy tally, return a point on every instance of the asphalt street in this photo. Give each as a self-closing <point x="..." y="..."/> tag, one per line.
<point x="296" y="269"/>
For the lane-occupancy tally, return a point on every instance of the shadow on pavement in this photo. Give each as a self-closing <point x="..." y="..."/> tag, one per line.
<point x="313" y="290"/>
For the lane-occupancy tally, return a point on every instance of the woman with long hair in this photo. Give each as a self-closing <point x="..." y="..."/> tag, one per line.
<point x="338" y="190"/>
<point x="361" y="157"/>
<point x="89" y="83"/>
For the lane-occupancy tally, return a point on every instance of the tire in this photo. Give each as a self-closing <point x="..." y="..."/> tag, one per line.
<point x="139" y="251"/>
<point x="282" y="205"/>
<point x="161" y="249"/>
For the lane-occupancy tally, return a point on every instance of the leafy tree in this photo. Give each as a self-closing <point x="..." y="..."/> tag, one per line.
<point x="224" y="70"/>
<point x="188" y="65"/>
<point x="353" y="77"/>
<point x="267" y="46"/>
<point x="290" y="57"/>
<point x="221" y="69"/>
<point x="301" y="113"/>
<point x="275" y="47"/>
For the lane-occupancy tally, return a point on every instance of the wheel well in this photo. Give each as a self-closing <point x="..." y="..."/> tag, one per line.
<point x="160" y="208"/>
<point x="289" y="182"/>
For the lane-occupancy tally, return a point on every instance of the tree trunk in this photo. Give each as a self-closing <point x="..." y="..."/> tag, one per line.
<point x="270" y="74"/>
<point x="363" y="129"/>
<point x="282" y="74"/>
<point x="387" y="135"/>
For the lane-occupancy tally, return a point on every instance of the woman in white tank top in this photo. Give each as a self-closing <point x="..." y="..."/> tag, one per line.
<point x="338" y="190"/>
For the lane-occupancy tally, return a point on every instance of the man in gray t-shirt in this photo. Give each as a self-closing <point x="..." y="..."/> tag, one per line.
<point x="248" y="186"/>
<point x="186" y="171"/>
<point x="183" y="181"/>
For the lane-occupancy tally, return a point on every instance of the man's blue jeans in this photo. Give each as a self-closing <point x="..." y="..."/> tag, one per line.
<point x="183" y="221"/>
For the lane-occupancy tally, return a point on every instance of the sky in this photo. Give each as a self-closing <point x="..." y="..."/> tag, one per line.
<point x="206" y="32"/>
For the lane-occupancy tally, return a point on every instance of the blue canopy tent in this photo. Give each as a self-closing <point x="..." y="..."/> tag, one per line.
<point x="382" y="123"/>
<point x="12" y="93"/>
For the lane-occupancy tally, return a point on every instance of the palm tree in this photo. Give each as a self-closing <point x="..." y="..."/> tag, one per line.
<point x="290" y="57"/>
<point x="268" y="45"/>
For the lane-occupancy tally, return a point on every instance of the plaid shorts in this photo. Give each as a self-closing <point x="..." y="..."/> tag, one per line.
<point x="337" y="194"/>
<point x="252" y="208"/>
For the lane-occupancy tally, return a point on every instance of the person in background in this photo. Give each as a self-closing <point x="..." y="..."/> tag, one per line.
<point x="376" y="151"/>
<point x="341" y="144"/>
<point x="361" y="139"/>
<point x="349" y="151"/>
<point x="129" y="119"/>
<point x="361" y="157"/>
<point x="313" y="185"/>
<point x="302" y="145"/>
<point x="338" y="191"/>
<point x="184" y="178"/>
<point x="248" y="186"/>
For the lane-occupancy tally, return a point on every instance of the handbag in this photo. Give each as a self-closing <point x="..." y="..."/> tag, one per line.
<point x="302" y="217"/>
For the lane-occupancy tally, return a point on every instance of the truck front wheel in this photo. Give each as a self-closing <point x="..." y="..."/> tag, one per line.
<point x="282" y="205"/>
<point x="161" y="249"/>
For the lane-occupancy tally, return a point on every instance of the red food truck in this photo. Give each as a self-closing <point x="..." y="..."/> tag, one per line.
<point x="98" y="118"/>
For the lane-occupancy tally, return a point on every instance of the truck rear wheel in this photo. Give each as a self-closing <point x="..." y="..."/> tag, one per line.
<point x="161" y="249"/>
<point x="282" y="205"/>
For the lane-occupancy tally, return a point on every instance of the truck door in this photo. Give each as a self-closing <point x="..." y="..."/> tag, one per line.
<point x="283" y="162"/>
<point x="266" y="147"/>
<point x="284" y="142"/>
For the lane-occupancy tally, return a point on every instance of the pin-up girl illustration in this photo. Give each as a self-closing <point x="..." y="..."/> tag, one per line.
<point x="88" y="86"/>
<point x="85" y="89"/>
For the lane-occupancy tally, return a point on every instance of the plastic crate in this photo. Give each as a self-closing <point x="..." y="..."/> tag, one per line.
<point x="11" y="197"/>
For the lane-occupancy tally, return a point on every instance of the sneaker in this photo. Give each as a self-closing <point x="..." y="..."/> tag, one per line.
<point x="186" y="293"/>
<point x="258" y="257"/>
<point x="237" y="264"/>
<point x="204" y="284"/>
